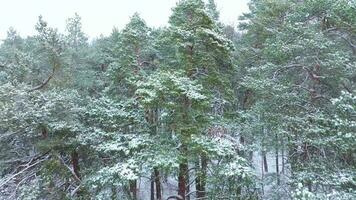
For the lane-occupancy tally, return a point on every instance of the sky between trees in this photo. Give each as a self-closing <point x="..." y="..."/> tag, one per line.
<point x="98" y="16"/>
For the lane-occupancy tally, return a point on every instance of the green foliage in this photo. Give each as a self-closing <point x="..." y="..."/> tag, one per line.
<point x="91" y="120"/>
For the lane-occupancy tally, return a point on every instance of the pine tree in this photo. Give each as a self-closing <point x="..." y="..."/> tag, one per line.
<point x="299" y="67"/>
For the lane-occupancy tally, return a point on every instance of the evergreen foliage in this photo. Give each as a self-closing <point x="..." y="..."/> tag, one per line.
<point x="193" y="110"/>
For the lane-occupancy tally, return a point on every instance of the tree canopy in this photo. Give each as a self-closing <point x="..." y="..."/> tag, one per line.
<point x="194" y="110"/>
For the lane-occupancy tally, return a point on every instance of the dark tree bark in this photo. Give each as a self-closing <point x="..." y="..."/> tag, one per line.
<point x="277" y="166"/>
<point x="45" y="82"/>
<point x="158" y="184"/>
<point x="182" y="174"/>
<point x="265" y="163"/>
<point x="198" y="178"/>
<point x="75" y="163"/>
<point x="277" y="161"/>
<point x="153" y="187"/>
<point x="44" y="133"/>
<point x="182" y="180"/>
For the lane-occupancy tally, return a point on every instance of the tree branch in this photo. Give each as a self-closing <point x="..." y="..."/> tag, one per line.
<point x="69" y="168"/>
<point x="44" y="82"/>
<point x="23" y="170"/>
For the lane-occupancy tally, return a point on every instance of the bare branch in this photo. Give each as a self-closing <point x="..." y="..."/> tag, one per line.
<point x="75" y="190"/>
<point x="44" y="82"/>
<point x="23" y="170"/>
<point x="175" y="197"/>
<point x="69" y="168"/>
<point x="23" y="180"/>
<point x="337" y="32"/>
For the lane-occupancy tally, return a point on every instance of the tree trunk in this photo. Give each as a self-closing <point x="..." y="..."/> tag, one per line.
<point x="44" y="133"/>
<point x="75" y="163"/>
<point x="133" y="189"/>
<point x="277" y="161"/>
<point x="182" y="174"/>
<point x="187" y="180"/>
<point x="153" y="186"/>
<point x="158" y="185"/>
<point x="201" y="176"/>
<point x="198" y="178"/>
<point x="263" y="176"/>
<point x="277" y="166"/>
<point x="183" y="167"/>
<point x="282" y="159"/>
<point x="265" y="164"/>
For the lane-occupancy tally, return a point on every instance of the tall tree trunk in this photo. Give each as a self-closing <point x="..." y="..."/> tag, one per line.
<point x="263" y="176"/>
<point x="201" y="176"/>
<point x="152" y="119"/>
<point x="153" y="186"/>
<point x="187" y="180"/>
<point x="198" y="178"/>
<point x="277" y="166"/>
<point x="158" y="185"/>
<point x="283" y="164"/>
<point x="181" y="180"/>
<point x="277" y="161"/>
<point x="133" y="189"/>
<point x="75" y="163"/>
<point x="182" y="174"/>
<point x="204" y="168"/>
<point x="265" y="163"/>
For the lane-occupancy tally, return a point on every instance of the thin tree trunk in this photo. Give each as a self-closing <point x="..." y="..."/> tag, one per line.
<point x="158" y="185"/>
<point x="152" y="119"/>
<point x="183" y="179"/>
<point x="277" y="161"/>
<point x="133" y="189"/>
<point x="187" y="182"/>
<point x="202" y="177"/>
<point x="265" y="164"/>
<point x="204" y="166"/>
<point x="183" y="167"/>
<point x="75" y="163"/>
<point x="263" y="176"/>
<point x="282" y="152"/>
<point x="152" y="186"/>
<point x="277" y="166"/>
<point x="44" y="133"/>
<point x="198" y="178"/>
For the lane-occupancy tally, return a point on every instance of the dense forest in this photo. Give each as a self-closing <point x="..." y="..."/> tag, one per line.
<point x="196" y="109"/>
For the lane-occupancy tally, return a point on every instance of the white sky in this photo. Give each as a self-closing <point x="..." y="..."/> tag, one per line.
<point x="98" y="16"/>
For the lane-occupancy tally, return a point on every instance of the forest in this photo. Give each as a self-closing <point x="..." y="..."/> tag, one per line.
<point x="193" y="110"/>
